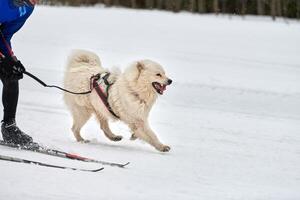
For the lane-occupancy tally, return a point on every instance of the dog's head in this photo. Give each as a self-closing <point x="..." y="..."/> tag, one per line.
<point x="150" y="74"/>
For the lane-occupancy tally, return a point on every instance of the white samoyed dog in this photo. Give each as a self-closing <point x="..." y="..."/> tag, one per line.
<point x="131" y="96"/>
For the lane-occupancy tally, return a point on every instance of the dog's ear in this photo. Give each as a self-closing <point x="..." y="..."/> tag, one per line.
<point x="135" y="70"/>
<point x="140" y="66"/>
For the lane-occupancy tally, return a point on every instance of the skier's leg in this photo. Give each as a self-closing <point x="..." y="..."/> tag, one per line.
<point x="10" y="132"/>
<point x="10" y="95"/>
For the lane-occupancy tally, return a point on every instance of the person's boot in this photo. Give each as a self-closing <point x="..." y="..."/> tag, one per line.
<point x="12" y="134"/>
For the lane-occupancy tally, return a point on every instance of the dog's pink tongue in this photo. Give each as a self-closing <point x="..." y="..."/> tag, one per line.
<point x="164" y="87"/>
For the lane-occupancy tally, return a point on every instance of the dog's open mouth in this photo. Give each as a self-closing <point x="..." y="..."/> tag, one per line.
<point x="160" y="88"/>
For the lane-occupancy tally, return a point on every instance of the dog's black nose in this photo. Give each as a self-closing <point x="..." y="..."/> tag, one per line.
<point x="169" y="81"/>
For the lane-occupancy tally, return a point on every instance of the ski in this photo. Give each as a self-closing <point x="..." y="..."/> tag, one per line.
<point x="20" y="160"/>
<point x="53" y="152"/>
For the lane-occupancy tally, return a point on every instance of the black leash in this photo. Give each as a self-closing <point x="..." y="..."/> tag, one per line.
<point x="54" y="86"/>
<point x="94" y="85"/>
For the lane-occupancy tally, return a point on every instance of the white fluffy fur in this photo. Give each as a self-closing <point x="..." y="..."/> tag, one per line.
<point x="131" y="96"/>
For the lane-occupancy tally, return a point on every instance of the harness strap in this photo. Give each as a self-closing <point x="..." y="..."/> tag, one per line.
<point x="101" y="93"/>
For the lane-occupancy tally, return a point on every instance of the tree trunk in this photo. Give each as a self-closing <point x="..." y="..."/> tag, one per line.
<point x="150" y="4"/>
<point x="160" y="4"/>
<point x="169" y="5"/>
<point x="260" y="7"/>
<point x="223" y="6"/>
<point x="244" y="7"/>
<point x="201" y="6"/>
<point x="273" y="9"/>
<point x="298" y="9"/>
<point x="116" y="2"/>
<point x="176" y="5"/>
<point x="193" y="5"/>
<point x="133" y="3"/>
<point x="108" y="2"/>
<point x="284" y="8"/>
<point x="216" y="6"/>
<point x="279" y="8"/>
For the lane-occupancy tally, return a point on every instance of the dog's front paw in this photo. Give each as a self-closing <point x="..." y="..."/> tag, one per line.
<point x="164" y="148"/>
<point x="81" y="140"/>
<point x="117" y="138"/>
<point x="133" y="137"/>
<point x="84" y="141"/>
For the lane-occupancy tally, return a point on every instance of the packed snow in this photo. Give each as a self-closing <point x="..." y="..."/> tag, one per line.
<point x="232" y="116"/>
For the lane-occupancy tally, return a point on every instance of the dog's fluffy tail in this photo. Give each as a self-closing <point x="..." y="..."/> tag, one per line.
<point x="79" y="57"/>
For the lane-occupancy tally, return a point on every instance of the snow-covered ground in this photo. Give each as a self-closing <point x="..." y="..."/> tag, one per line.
<point x="232" y="116"/>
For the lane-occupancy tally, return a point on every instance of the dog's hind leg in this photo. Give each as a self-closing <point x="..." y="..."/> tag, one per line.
<point x="105" y="127"/>
<point x="80" y="117"/>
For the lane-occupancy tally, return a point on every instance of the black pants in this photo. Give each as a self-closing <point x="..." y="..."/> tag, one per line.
<point x="10" y="96"/>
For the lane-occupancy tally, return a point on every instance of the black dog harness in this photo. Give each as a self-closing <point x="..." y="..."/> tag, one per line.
<point x="100" y="83"/>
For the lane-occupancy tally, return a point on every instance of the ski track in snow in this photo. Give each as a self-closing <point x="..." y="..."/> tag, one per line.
<point x="231" y="116"/>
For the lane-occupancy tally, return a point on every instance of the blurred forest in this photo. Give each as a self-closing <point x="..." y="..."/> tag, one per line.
<point x="274" y="8"/>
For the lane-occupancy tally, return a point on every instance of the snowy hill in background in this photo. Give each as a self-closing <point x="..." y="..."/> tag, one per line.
<point x="232" y="116"/>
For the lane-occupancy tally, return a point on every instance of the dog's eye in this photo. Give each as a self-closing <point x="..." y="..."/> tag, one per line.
<point x="159" y="75"/>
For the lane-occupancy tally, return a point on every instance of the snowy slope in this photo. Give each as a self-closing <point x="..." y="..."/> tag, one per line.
<point x="232" y="116"/>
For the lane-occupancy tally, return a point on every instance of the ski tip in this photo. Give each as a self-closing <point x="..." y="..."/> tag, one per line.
<point x="97" y="170"/>
<point x="124" y="165"/>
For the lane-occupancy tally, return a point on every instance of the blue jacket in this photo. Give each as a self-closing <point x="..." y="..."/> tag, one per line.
<point x="12" y="18"/>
